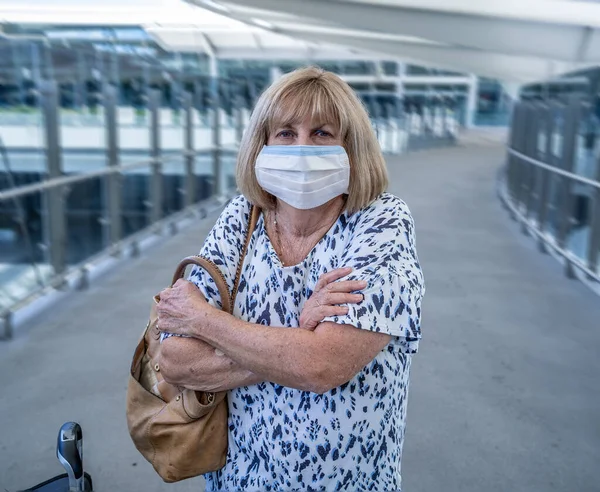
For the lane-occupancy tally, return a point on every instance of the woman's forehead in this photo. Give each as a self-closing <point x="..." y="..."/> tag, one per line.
<point x="308" y="121"/>
<point x="297" y="108"/>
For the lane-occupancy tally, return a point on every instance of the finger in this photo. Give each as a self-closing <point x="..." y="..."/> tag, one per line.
<point x="331" y="299"/>
<point x="347" y="286"/>
<point x="331" y="276"/>
<point x="333" y="311"/>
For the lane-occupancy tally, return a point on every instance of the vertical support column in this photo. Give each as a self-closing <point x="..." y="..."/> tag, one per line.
<point x="399" y="106"/>
<point x="156" y="180"/>
<point x="200" y="102"/>
<point x="472" y="101"/>
<point x="113" y="189"/>
<point x="115" y="75"/>
<point x="444" y="106"/>
<point x="216" y="127"/>
<point x="81" y="75"/>
<point x="56" y="228"/>
<point x="15" y="49"/>
<point x="239" y="113"/>
<point x="190" y="157"/>
<point x="36" y="72"/>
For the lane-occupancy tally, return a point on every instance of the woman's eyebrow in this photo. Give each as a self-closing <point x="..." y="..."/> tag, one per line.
<point x="330" y="125"/>
<point x="284" y="126"/>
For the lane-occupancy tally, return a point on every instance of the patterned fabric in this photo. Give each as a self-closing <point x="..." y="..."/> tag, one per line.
<point x="350" y="438"/>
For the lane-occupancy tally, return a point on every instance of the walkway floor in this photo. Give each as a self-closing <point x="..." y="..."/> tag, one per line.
<point x="504" y="394"/>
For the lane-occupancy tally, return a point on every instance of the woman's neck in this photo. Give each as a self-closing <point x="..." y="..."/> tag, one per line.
<point x="305" y="223"/>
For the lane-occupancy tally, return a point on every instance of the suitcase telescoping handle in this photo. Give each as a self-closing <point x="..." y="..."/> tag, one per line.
<point x="69" y="451"/>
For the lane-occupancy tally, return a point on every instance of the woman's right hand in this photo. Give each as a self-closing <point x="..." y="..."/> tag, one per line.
<point x="328" y="296"/>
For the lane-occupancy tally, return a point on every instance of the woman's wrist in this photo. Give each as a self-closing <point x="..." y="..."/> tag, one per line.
<point x="206" y="320"/>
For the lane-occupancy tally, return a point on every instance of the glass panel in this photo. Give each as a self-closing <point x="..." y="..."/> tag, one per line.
<point x="23" y="265"/>
<point x="229" y="161"/>
<point x="553" y="204"/>
<point x="85" y="219"/>
<point x="579" y="230"/>
<point x="135" y="200"/>
<point x="390" y="67"/>
<point x="555" y="181"/>
<point x="204" y="176"/>
<point x="173" y="184"/>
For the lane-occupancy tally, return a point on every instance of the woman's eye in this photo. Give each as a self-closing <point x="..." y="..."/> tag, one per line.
<point x="284" y="134"/>
<point x="322" y="133"/>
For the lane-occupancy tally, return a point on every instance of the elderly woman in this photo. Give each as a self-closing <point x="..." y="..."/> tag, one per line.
<point x="317" y="355"/>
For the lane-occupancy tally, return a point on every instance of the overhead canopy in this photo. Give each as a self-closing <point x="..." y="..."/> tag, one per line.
<point x="511" y="40"/>
<point x="176" y="26"/>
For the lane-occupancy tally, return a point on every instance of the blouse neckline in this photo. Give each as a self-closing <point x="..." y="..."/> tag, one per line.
<point x="273" y="252"/>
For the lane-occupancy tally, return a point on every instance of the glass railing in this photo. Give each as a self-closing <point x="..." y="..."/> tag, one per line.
<point x="101" y="185"/>
<point x="551" y="182"/>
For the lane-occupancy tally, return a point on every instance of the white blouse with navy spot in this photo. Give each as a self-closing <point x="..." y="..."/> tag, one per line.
<point x="350" y="438"/>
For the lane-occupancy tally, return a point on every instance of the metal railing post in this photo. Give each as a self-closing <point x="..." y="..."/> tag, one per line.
<point x="594" y="237"/>
<point x="542" y="211"/>
<point x="511" y="160"/>
<point x="239" y="119"/>
<point x="516" y="164"/>
<point x="572" y="116"/>
<point x="532" y="151"/>
<point x="190" y="158"/>
<point x="156" y="180"/>
<point x="216" y="135"/>
<point x="113" y="180"/>
<point x="56" y="227"/>
<point x="521" y="170"/>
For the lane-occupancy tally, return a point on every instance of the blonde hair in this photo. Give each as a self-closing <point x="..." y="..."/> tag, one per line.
<point x="323" y="96"/>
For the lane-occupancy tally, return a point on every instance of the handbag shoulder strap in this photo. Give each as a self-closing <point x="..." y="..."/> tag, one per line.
<point x="254" y="216"/>
<point x="213" y="270"/>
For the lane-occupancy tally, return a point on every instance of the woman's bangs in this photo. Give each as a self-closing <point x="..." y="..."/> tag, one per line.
<point x="310" y="101"/>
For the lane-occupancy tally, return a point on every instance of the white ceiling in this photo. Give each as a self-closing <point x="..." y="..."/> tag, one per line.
<point x="513" y="40"/>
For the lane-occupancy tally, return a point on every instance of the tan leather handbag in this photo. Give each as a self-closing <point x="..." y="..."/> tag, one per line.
<point x="181" y="432"/>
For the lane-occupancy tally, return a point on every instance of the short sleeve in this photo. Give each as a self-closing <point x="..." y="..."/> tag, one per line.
<point x="382" y="251"/>
<point x="223" y="247"/>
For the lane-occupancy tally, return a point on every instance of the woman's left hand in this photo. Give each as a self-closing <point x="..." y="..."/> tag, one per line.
<point x="181" y="309"/>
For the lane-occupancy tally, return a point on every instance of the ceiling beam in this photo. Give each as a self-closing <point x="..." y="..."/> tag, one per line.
<point x="495" y="34"/>
<point x="505" y="67"/>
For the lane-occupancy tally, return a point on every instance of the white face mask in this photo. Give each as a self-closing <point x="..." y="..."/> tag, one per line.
<point x="303" y="176"/>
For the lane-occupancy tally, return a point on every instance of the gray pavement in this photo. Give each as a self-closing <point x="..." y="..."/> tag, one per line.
<point x="504" y="394"/>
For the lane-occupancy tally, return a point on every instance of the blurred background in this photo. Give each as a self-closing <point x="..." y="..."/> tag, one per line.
<point x="119" y="127"/>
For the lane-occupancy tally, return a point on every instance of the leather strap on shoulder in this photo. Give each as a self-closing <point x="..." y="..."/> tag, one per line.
<point x="254" y="216"/>
<point x="213" y="270"/>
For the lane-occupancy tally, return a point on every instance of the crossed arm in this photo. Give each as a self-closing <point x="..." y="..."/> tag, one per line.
<point x="317" y="358"/>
